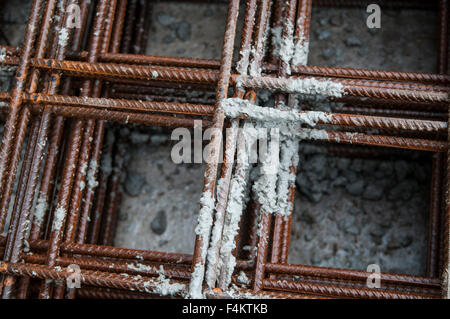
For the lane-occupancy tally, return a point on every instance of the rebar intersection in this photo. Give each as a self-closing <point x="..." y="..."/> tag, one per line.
<point x="65" y="207"/>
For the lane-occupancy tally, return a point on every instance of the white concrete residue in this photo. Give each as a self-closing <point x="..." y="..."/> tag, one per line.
<point x="83" y="168"/>
<point x="91" y="179"/>
<point x="212" y="266"/>
<point x="155" y="74"/>
<point x="283" y="47"/>
<point x="140" y="267"/>
<point x="301" y="51"/>
<point x="286" y="178"/>
<point x="207" y="202"/>
<point x="264" y="187"/>
<point x="241" y="66"/>
<point x="61" y="7"/>
<point x="242" y="278"/>
<point x="60" y="215"/>
<point x="63" y="37"/>
<point x="203" y="228"/>
<point x="162" y="286"/>
<point x="237" y="200"/>
<point x="234" y="107"/>
<point x="312" y="86"/>
<point x="6" y="68"/>
<point x="39" y="211"/>
<point x="287" y="46"/>
<point x="308" y="87"/>
<point x="255" y="66"/>
<point x="353" y="136"/>
<point x="289" y="145"/>
<point x="26" y="224"/>
<point x="214" y="262"/>
<point x="195" y="287"/>
<point x="2" y="55"/>
<point x="291" y="51"/>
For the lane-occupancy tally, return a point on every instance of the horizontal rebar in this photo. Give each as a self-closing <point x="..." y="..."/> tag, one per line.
<point x="88" y="277"/>
<point x="285" y="85"/>
<point x="132" y="268"/>
<point x="115" y="104"/>
<point x="316" y="271"/>
<point x="324" y="71"/>
<point x="340" y="291"/>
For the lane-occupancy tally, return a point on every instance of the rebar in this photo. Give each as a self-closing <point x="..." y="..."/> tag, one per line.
<point x="65" y="208"/>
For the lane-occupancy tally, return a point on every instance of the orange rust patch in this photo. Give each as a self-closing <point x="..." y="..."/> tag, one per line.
<point x="8" y="281"/>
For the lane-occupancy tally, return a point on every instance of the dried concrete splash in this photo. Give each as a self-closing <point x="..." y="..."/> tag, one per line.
<point x="140" y="267"/>
<point x="301" y="50"/>
<point x="212" y="266"/>
<point x="63" y="37"/>
<point x="195" y="287"/>
<point x="287" y="46"/>
<point x="91" y="179"/>
<point x="237" y="201"/>
<point x="264" y="185"/>
<point x="203" y="229"/>
<point x="39" y="211"/>
<point x="306" y="87"/>
<point x="163" y="286"/>
<point x="241" y="66"/>
<point x="235" y="107"/>
<point x="205" y="215"/>
<point x="60" y="214"/>
<point x="286" y="177"/>
<point x="313" y="87"/>
<point x="242" y="278"/>
<point x="290" y="49"/>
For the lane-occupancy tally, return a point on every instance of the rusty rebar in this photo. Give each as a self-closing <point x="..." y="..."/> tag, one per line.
<point x="100" y="84"/>
<point x="202" y="240"/>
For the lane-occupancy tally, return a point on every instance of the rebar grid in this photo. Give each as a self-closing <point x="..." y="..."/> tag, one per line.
<point x="64" y="211"/>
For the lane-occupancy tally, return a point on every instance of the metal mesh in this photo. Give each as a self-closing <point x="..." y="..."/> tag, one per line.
<point x="59" y="146"/>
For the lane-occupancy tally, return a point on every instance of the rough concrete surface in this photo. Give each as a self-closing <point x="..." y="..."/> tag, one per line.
<point x="350" y="213"/>
<point x="159" y="205"/>
<point x="192" y="30"/>
<point x="406" y="41"/>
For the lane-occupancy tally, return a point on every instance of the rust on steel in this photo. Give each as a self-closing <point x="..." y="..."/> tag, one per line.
<point x="71" y="91"/>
